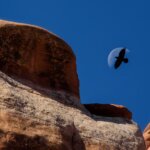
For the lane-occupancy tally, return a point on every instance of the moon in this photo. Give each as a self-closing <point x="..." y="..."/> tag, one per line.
<point x="114" y="53"/>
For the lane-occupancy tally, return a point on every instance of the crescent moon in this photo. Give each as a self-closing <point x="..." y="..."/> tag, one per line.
<point x="114" y="53"/>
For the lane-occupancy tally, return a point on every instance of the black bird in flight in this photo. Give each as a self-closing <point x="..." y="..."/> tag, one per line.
<point x="121" y="58"/>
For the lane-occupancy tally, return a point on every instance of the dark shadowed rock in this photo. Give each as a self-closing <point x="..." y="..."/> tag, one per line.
<point x="109" y="110"/>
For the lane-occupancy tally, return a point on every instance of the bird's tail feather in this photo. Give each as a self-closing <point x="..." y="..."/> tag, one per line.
<point x="125" y="60"/>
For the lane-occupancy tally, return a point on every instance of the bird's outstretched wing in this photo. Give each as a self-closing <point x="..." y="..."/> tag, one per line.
<point x="122" y="53"/>
<point x="117" y="63"/>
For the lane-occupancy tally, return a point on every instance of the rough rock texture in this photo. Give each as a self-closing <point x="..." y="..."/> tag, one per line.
<point x="44" y="113"/>
<point x="109" y="110"/>
<point x="146" y="135"/>
<point x="38" y="56"/>
<point x="50" y="120"/>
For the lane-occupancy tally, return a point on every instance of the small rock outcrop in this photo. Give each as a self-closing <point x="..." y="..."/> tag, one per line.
<point x="40" y="107"/>
<point x="146" y="135"/>
<point x="109" y="110"/>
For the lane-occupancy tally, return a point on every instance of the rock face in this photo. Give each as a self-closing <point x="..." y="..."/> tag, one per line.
<point x="146" y="135"/>
<point x="39" y="109"/>
<point x="109" y="110"/>
<point x="34" y="54"/>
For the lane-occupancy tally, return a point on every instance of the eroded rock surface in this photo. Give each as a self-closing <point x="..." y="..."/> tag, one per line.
<point x="146" y="135"/>
<point x="57" y="121"/>
<point x="32" y="53"/>
<point x="40" y="107"/>
<point x="109" y="110"/>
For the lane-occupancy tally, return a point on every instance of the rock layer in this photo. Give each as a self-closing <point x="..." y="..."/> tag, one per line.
<point x="109" y="110"/>
<point x="52" y="120"/>
<point x="32" y="53"/>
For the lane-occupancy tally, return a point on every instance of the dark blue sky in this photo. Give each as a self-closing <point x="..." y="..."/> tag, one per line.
<point x="93" y="29"/>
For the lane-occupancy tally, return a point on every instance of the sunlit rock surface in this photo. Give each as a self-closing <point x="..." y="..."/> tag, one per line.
<point x="31" y="53"/>
<point x="43" y="111"/>
<point x="146" y="135"/>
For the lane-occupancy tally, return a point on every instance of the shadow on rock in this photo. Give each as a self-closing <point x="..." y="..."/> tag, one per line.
<point x="71" y="138"/>
<point x="60" y="96"/>
<point x="110" y="112"/>
<point x="16" y="141"/>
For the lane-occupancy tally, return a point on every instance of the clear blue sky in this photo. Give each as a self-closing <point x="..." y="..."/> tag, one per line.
<point x="93" y="28"/>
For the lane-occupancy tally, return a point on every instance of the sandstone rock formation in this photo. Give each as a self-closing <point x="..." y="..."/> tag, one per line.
<point x="39" y="98"/>
<point x="146" y="135"/>
<point x="109" y="110"/>
<point x="38" y="56"/>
